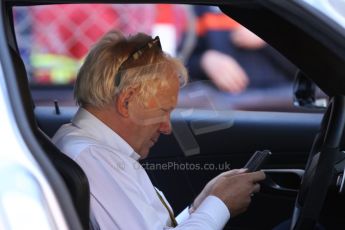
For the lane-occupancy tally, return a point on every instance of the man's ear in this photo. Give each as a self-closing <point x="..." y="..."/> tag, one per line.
<point x="123" y="100"/>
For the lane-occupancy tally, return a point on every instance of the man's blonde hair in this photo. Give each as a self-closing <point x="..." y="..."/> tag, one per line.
<point x="95" y="84"/>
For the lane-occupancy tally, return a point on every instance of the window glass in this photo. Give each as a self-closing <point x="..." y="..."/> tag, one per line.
<point x="229" y="67"/>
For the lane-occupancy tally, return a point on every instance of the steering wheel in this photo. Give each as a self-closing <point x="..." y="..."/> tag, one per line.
<point x="319" y="170"/>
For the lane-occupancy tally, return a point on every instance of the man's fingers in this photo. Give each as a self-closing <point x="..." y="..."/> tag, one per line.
<point x="234" y="172"/>
<point x="256" y="188"/>
<point x="254" y="177"/>
<point x="257" y="176"/>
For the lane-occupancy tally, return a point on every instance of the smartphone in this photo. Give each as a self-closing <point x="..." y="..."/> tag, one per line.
<point x="257" y="160"/>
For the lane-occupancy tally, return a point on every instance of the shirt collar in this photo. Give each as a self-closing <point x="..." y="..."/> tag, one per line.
<point x="101" y="132"/>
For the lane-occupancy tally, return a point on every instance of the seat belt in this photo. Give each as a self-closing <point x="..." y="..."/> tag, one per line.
<point x="171" y="214"/>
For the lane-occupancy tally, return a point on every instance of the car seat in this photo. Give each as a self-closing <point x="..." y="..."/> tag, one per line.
<point x="71" y="173"/>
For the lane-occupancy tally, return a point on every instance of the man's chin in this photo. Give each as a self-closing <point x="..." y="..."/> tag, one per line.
<point x="144" y="153"/>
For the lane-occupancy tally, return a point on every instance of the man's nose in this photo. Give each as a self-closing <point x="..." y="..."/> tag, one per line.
<point x="165" y="127"/>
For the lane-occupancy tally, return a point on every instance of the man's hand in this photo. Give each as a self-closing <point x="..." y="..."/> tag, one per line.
<point x="224" y="71"/>
<point x="209" y="187"/>
<point x="234" y="188"/>
<point x="235" y="191"/>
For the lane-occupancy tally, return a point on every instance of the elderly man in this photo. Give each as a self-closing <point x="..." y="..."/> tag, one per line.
<point x="127" y="89"/>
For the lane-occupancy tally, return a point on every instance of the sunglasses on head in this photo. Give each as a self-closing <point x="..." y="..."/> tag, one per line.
<point x="135" y="55"/>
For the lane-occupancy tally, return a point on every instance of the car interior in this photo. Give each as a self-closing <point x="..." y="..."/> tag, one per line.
<point x="307" y="164"/>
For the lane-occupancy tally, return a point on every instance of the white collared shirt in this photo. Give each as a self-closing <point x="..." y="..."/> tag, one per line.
<point x="122" y="195"/>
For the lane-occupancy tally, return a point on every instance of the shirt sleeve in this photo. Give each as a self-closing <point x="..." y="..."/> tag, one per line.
<point x="212" y="214"/>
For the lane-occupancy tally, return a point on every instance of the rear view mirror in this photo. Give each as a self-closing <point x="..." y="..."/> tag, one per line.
<point x="307" y="94"/>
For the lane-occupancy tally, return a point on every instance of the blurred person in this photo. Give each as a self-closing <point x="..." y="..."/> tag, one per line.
<point x="126" y="90"/>
<point x="233" y="57"/>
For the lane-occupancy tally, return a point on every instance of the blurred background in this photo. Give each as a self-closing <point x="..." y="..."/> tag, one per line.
<point x="229" y="67"/>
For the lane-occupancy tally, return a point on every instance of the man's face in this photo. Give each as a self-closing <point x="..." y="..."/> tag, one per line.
<point x="153" y="118"/>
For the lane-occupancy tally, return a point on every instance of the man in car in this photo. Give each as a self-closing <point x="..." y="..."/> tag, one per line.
<point x="127" y="89"/>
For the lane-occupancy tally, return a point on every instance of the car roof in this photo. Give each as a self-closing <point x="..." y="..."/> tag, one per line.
<point x="305" y="36"/>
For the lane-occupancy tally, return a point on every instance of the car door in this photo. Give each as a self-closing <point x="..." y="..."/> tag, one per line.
<point x="209" y="140"/>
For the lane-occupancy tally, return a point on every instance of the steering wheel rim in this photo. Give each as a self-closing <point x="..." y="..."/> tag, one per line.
<point x="319" y="169"/>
